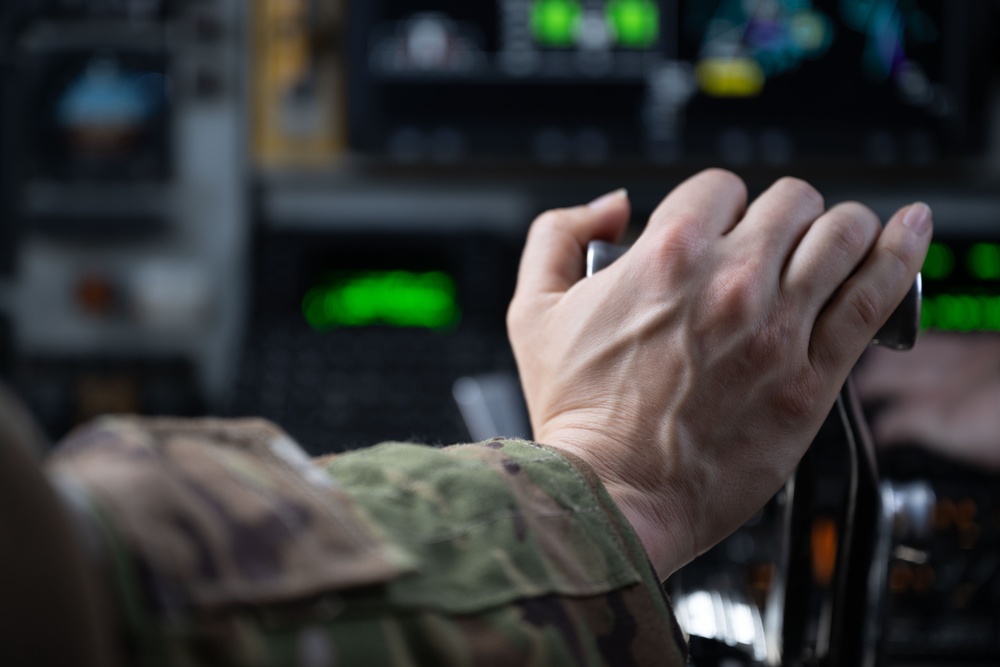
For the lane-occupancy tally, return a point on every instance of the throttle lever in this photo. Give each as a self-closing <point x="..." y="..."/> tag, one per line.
<point x="849" y="636"/>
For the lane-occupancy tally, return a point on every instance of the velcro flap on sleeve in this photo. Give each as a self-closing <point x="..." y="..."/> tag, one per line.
<point x="213" y="512"/>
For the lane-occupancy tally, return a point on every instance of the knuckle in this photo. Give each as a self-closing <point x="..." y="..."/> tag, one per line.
<point x="859" y="210"/>
<point x="552" y="219"/>
<point x="725" y="178"/>
<point x="732" y="297"/>
<point x="799" y="190"/>
<point x="511" y="317"/>
<point x="900" y="260"/>
<point x="516" y="318"/>
<point x="850" y="231"/>
<point x="681" y="242"/>
<point x="866" y="303"/>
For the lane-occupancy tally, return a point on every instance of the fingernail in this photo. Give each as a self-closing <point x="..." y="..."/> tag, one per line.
<point x="918" y="218"/>
<point x="609" y="199"/>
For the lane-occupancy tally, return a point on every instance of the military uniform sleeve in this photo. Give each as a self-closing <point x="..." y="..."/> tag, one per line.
<point x="225" y="545"/>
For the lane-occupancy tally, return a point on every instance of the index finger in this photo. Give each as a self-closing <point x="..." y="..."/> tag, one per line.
<point x="707" y="204"/>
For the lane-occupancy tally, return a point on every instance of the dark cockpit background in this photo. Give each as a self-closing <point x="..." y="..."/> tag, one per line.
<point x="312" y="210"/>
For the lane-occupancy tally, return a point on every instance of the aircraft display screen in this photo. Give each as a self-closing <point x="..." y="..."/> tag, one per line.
<point x="102" y="115"/>
<point x="592" y="81"/>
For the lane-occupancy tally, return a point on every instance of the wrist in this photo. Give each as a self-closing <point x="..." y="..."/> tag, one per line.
<point x="658" y="515"/>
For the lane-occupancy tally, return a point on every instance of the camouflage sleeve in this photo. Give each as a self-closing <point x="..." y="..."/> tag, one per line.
<point x="225" y="545"/>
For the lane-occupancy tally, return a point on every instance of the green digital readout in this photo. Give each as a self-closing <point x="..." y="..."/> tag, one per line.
<point x="630" y="23"/>
<point x="983" y="261"/>
<point x="961" y="282"/>
<point x="636" y="22"/>
<point x="556" y="22"/>
<point x="940" y="262"/>
<point x="403" y="299"/>
<point x="960" y="313"/>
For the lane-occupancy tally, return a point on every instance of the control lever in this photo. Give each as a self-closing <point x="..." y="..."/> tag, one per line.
<point x="848" y="635"/>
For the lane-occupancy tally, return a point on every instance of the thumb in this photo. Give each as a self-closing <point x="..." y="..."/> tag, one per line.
<point x="555" y="252"/>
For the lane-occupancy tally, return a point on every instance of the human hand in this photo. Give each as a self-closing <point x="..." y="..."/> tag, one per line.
<point x="944" y="395"/>
<point x="693" y="373"/>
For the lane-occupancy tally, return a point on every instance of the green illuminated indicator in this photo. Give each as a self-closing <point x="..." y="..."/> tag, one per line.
<point x="394" y="298"/>
<point x="983" y="261"/>
<point x="940" y="262"/>
<point x="556" y="22"/>
<point x="635" y="22"/>
<point x="961" y="312"/>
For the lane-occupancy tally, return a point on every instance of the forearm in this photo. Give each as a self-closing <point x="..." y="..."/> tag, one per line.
<point x="399" y="554"/>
